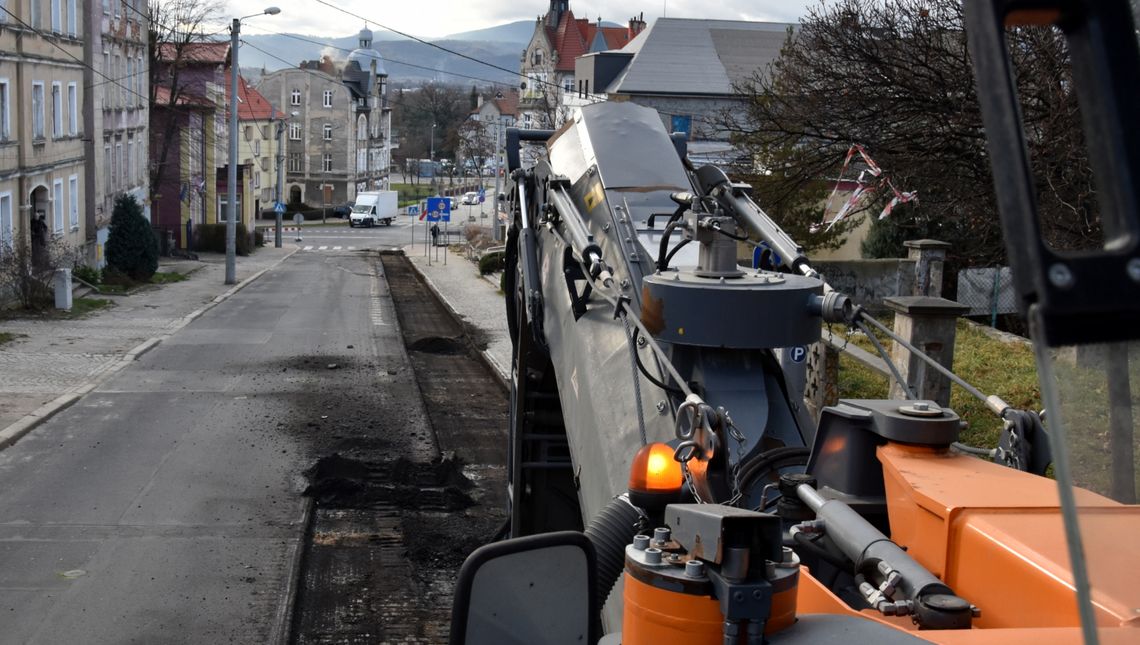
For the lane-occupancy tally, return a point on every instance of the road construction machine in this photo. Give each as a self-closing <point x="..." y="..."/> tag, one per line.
<point x="666" y="483"/>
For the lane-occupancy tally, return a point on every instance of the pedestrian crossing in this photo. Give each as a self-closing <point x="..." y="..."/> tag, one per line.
<point x="327" y="247"/>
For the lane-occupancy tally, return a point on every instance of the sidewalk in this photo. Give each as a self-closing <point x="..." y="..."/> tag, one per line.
<point x="54" y="362"/>
<point x="474" y="298"/>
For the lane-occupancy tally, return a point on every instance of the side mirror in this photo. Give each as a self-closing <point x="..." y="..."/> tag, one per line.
<point x="532" y="590"/>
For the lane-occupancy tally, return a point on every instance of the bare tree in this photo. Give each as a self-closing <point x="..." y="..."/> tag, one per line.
<point x="895" y="76"/>
<point x="175" y="25"/>
<point x="477" y="143"/>
<point x="26" y="273"/>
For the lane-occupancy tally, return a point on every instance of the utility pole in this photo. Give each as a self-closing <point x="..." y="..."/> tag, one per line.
<point x="498" y="179"/>
<point x="231" y="176"/>
<point x="280" y="178"/>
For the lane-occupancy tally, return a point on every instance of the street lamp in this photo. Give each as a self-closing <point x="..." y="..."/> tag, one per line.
<point x="431" y="156"/>
<point x="231" y="177"/>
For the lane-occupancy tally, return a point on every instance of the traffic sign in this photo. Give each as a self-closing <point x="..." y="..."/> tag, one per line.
<point x="279" y="207"/>
<point x="413" y="210"/>
<point x="798" y="354"/>
<point x="439" y="209"/>
<point x="482" y="194"/>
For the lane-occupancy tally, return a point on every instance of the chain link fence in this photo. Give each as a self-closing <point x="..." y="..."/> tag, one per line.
<point x="987" y="292"/>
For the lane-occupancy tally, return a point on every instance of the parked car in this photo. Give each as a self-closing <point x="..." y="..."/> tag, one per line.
<point x="470" y="198"/>
<point x="342" y="210"/>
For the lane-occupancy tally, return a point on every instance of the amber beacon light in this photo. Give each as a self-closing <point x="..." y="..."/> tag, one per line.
<point x="655" y="476"/>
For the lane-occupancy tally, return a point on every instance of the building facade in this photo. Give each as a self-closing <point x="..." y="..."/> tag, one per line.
<point x="365" y="77"/>
<point x="320" y="160"/>
<point x="117" y="113"/>
<point x="257" y="143"/>
<point x="546" y="72"/>
<point x="42" y="89"/>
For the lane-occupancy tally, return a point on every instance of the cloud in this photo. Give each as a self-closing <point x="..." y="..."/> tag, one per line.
<point x="437" y="18"/>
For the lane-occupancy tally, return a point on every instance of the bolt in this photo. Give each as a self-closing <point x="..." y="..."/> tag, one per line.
<point x="661" y="535"/>
<point x="738" y="596"/>
<point x="694" y="569"/>
<point x="605" y="227"/>
<point x="661" y="407"/>
<point x="641" y="542"/>
<point x="756" y="594"/>
<point x="1134" y="269"/>
<point x="653" y="555"/>
<point x="1061" y="276"/>
<point x="624" y="283"/>
<point x="641" y="341"/>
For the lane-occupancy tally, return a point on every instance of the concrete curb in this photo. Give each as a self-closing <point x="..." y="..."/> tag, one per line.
<point x="15" y="431"/>
<point x="502" y="374"/>
<point x="283" y="629"/>
<point x="12" y="433"/>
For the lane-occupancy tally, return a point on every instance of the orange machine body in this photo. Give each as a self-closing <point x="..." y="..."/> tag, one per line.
<point x="995" y="536"/>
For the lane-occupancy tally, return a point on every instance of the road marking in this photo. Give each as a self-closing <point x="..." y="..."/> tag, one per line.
<point x="375" y="310"/>
<point x="352" y="248"/>
<point x="336" y="248"/>
<point x="308" y="248"/>
<point x="323" y="248"/>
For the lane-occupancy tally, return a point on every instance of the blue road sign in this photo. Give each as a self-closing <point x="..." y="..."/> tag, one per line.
<point x="798" y="354"/>
<point x="439" y="209"/>
<point x="279" y="207"/>
<point x="414" y="210"/>
<point x="482" y="195"/>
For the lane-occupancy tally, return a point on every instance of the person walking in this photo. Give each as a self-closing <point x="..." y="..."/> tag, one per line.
<point x="434" y="234"/>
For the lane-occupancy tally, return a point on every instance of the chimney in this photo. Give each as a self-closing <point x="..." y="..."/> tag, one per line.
<point x="636" y="24"/>
<point x="479" y="102"/>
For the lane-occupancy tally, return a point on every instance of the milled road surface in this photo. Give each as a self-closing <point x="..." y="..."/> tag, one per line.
<point x="167" y="505"/>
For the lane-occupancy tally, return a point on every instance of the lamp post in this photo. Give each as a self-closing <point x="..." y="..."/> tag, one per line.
<point x="231" y="176"/>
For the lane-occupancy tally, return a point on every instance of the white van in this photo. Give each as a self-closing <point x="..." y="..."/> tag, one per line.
<point x="374" y="207"/>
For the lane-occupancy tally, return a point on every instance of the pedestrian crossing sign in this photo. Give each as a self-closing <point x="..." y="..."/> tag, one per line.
<point x="279" y="207"/>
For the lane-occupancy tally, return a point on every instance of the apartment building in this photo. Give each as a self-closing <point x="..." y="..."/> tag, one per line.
<point x="117" y="114"/>
<point x="42" y="165"/>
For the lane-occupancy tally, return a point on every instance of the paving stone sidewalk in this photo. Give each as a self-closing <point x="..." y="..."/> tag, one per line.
<point x="53" y="358"/>
<point x="474" y="298"/>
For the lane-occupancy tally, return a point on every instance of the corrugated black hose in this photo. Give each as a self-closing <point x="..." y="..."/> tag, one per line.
<point x="610" y="531"/>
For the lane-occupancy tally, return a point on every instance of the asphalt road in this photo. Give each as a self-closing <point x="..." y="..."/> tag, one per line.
<point x="165" y="506"/>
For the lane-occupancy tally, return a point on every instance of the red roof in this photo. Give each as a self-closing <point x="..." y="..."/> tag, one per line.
<point x="572" y="36"/>
<point x="253" y="106"/>
<point x="216" y="53"/>
<point x="509" y="104"/>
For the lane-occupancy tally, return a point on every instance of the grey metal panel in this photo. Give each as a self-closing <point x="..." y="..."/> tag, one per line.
<point x="619" y="138"/>
<point x="828" y="628"/>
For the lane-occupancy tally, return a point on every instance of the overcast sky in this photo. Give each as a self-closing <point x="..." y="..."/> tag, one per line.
<point x="435" y="18"/>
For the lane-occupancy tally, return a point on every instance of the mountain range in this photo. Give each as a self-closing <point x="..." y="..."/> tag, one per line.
<point x="493" y="53"/>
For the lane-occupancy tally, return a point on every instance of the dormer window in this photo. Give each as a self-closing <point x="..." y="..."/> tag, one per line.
<point x="536" y="57"/>
<point x="295" y="97"/>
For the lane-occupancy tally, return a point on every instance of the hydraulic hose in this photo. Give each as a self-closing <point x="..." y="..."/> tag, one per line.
<point x="610" y="531"/>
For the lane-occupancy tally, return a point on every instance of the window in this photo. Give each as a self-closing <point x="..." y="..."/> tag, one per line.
<point x="73" y="109"/>
<point x="295" y="97"/>
<point x="568" y="85"/>
<point x="72" y="17"/>
<point x="56" y="111"/>
<point x="328" y="132"/>
<point x="326" y="163"/>
<point x="117" y="73"/>
<point x="5" y="221"/>
<point x="256" y="179"/>
<point x="119" y="165"/>
<point x="295" y="131"/>
<point x="257" y="147"/>
<point x="73" y="201"/>
<point x="129" y="173"/>
<point x="107" y="168"/>
<point x="37" y="108"/>
<point x="57" y="205"/>
<point x="36" y="18"/>
<point x="328" y="98"/>
<point x="223" y="206"/>
<point x="107" y="6"/>
<point x="361" y="128"/>
<point x="129" y="81"/>
<point x="5" y="111"/>
<point x="117" y="5"/>
<point x="56" y="18"/>
<point x="294" y="162"/>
